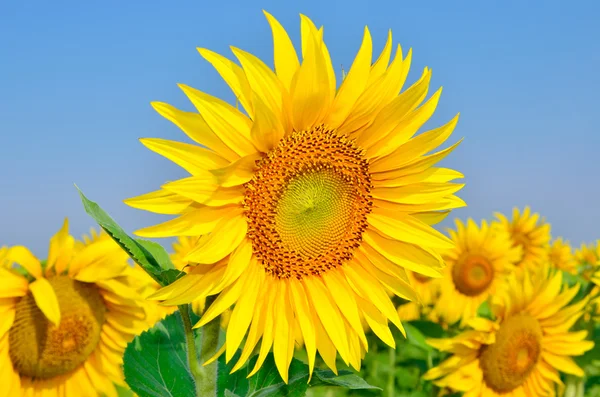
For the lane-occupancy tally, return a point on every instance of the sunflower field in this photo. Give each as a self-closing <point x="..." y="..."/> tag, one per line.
<point x="307" y="259"/>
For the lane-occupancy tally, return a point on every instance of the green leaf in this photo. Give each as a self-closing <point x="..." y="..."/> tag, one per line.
<point x="484" y="310"/>
<point x="267" y="382"/>
<point x="428" y="329"/>
<point x="415" y="337"/>
<point x="149" y="255"/>
<point x="156" y="366"/>
<point x="344" y="379"/>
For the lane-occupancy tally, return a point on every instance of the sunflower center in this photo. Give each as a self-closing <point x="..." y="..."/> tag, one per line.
<point x="473" y="275"/>
<point x="507" y="363"/>
<point x="307" y="203"/>
<point x="38" y="348"/>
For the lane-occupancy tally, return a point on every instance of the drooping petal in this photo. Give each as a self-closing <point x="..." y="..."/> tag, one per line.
<point x="45" y="298"/>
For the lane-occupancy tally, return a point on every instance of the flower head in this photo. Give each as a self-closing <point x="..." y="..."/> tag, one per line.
<point x="64" y="325"/>
<point x="311" y="204"/>
<point x="522" y="352"/>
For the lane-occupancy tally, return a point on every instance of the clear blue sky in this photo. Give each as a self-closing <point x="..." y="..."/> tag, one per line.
<point x="77" y="79"/>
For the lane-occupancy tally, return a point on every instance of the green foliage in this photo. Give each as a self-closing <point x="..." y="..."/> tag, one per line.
<point x="156" y="365"/>
<point x="267" y="382"/>
<point x="151" y="256"/>
<point x="156" y="362"/>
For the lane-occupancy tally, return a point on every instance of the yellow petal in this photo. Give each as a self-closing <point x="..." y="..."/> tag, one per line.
<point x="408" y="229"/>
<point x="381" y="64"/>
<point x="407" y="127"/>
<point x="417" y="165"/>
<point x="353" y="85"/>
<point x="376" y="321"/>
<point x="193" y="159"/>
<point x="61" y="250"/>
<point x="227" y="235"/>
<point x="230" y="125"/>
<point x="391" y="115"/>
<point x="262" y="80"/>
<point x="241" y="316"/>
<point x="233" y="75"/>
<point x="196" y="128"/>
<point x="256" y="331"/>
<point x="305" y="318"/>
<point x="224" y="301"/>
<point x="286" y="60"/>
<point x="377" y="95"/>
<point x="411" y="257"/>
<point x="22" y="256"/>
<point x="414" y="148"/>
<point x="329" y="315"/>
<point x="199" y="290"/>
<point x="562" y="363"/>
<point x="45" y="298"/>
<point x="267" y="129"/>
<point x="344" y="298"/>
<point x="160" y="202"/>
<point x="238" y="172"/>
<point x="310" y="86"/>
<point x="368" y="287"/>
<point x="283" y="350"/>
<point x="195" y="222"/>
<point x="418" y="193"/>
<point x="205" y="190"/>
<point x="12" y="285"/>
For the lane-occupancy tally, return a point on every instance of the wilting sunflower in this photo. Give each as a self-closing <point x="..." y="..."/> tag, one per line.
<point x="65" y="324"/>
<point x="530" y="233"/>
<point x="476" y="267"/>
<point x="316" y="199"/>
<point x="522" y="352"/>
<point x="561" y="256"/>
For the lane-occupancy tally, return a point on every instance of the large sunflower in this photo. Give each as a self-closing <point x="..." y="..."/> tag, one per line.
<point x="476" y="267"/>
<point x="65" y="324"/>
<point x="522" y="352"/>
<point x="312" y="203"/>
<point x="530" y="233"/>
<point x="561" y="256"/>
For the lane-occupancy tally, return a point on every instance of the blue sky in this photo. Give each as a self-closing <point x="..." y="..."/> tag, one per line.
<point x="77" y="79"/>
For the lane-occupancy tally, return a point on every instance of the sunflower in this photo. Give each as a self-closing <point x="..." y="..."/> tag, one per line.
<point x="312" y="203"/>
<point x="587" y="259"/>
<point x="427" y="290"/>
<point x="530" y="233"/>
<point x="476" y="267"/>
<point x="65" y="324"/>
<point x="522" y="352"/>
<point x="561" y="256"/>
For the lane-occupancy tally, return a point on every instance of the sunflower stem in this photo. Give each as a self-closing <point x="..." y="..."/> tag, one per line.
<point x="206" y="385"/>
<point x="391" y="381"/>
<point x="210" y="346"/>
